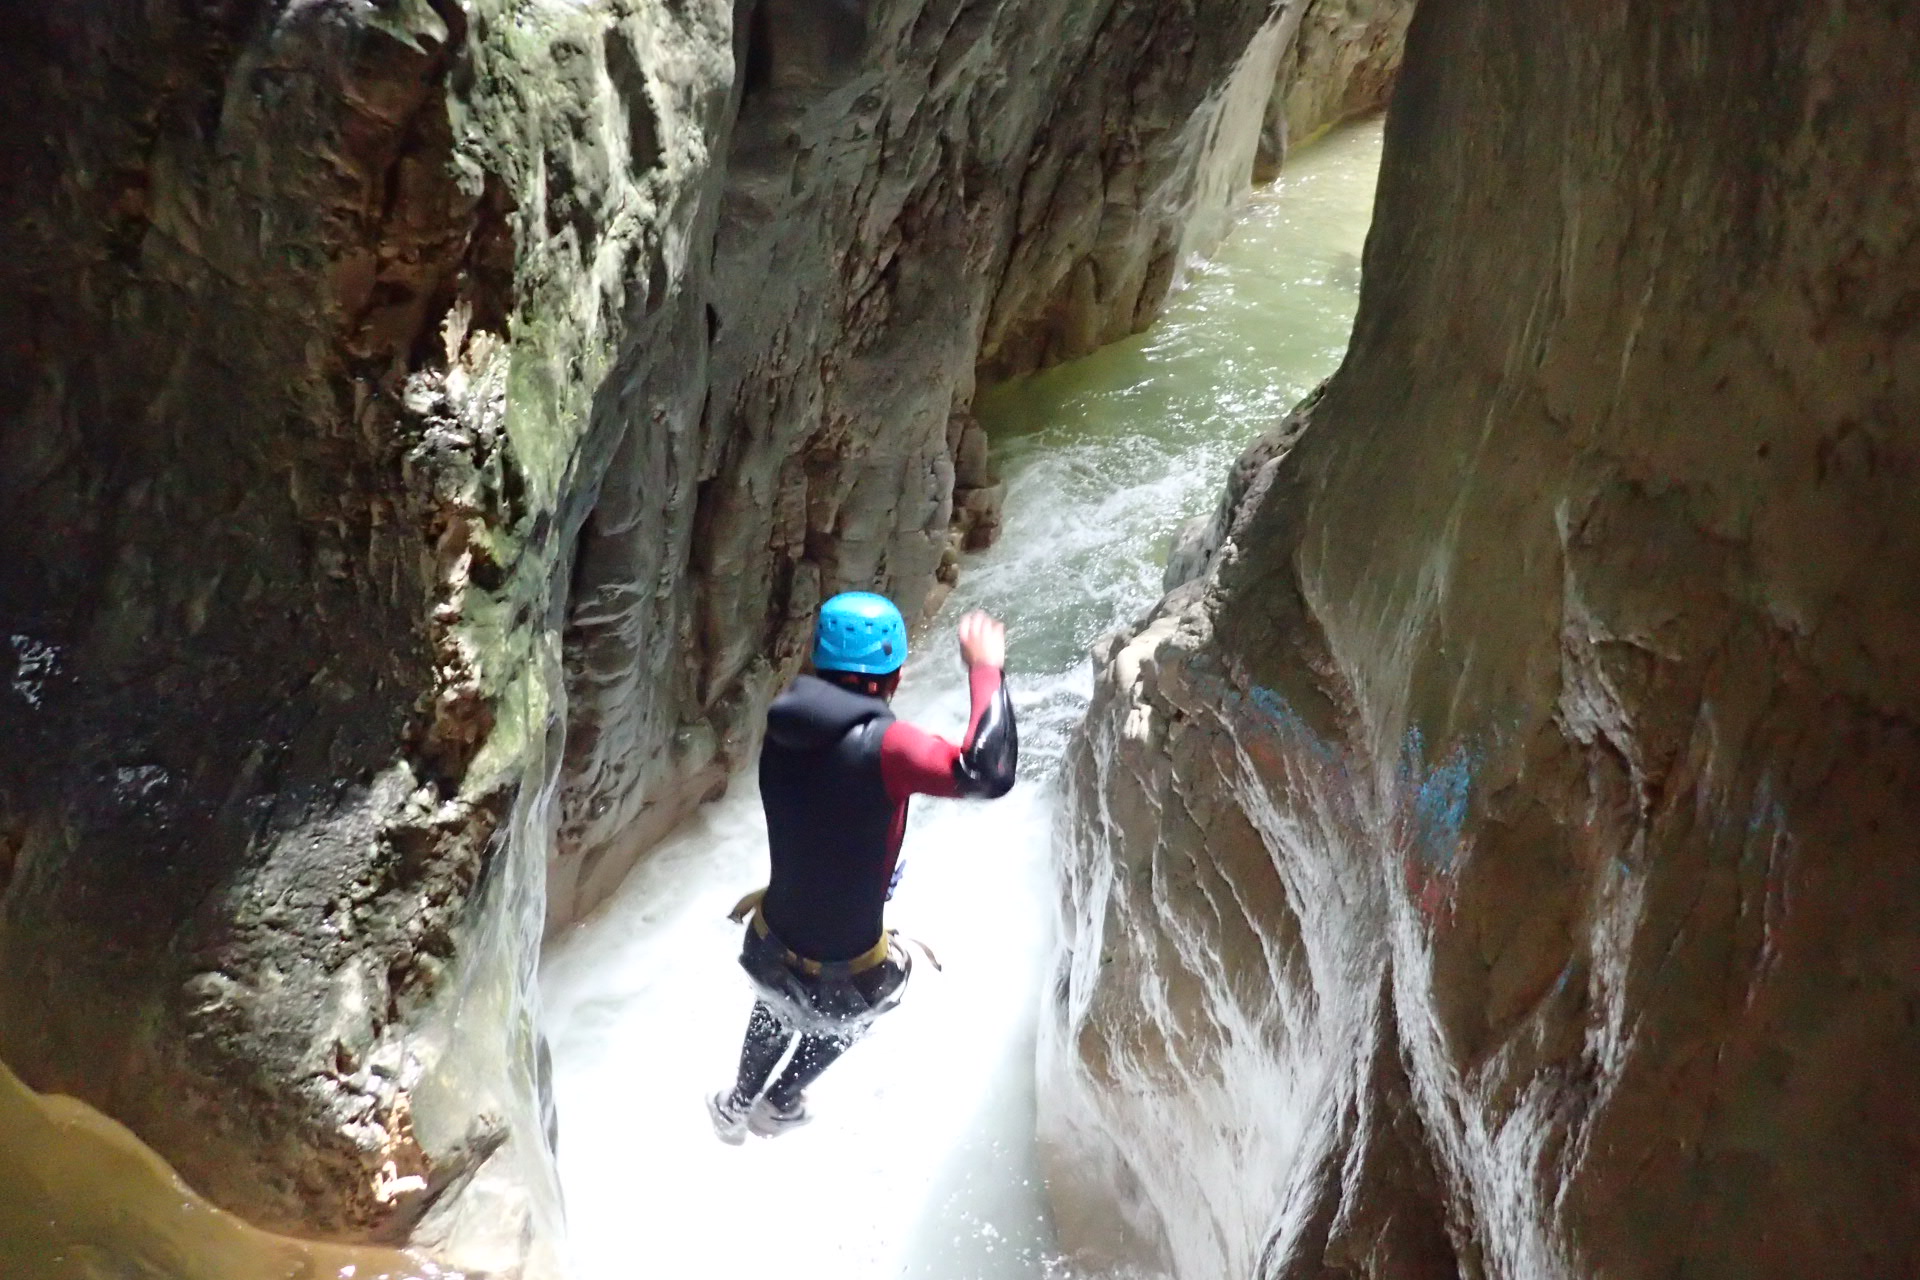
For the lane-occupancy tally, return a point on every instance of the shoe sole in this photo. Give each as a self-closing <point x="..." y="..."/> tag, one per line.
<point x="762" y="1125"/>
<point x="730" y="1131"/>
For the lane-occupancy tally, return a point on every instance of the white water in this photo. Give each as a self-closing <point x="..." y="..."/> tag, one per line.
<point x="921" y="1163"/>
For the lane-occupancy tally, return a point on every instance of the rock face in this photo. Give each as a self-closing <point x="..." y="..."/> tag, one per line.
<point x="928" y="185"/>
<point x="911" y="189"/>
<point x="80" y="1196"/>
<point x="1338" y="61"/>
<point x="1497" y="861"/>
<point x="428" y="428"/>
<point x="289" y="531"/>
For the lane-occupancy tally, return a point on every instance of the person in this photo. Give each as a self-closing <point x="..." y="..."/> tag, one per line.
<point x="836" y="771"/>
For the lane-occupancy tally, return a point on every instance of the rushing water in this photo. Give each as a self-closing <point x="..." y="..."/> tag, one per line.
<point x="921" y="1160"/>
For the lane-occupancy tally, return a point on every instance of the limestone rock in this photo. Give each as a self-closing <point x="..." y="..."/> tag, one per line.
<point x="84" y="1197"/>
<point x="1340" y="64"/>
<point x="429" y="427"/>
<point x="400" y="396"/>
<point x="910" y="190"/>
<point x="1498" y="860"/>
<point x="306" y="309"/>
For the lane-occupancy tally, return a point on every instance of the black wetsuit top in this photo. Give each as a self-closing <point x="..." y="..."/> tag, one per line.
<point x="835" y="774"/>
<point x="828" y="819"/>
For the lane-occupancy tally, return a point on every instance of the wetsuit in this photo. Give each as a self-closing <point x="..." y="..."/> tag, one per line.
<point x="836" y="773"/>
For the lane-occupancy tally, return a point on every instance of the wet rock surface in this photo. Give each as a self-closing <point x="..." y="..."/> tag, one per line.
<point x="401" y="396"/>
<point x="910" y="191"/>
<point x="1340" y="62"/>
<point x="1494" y="856"/>
<point x="270" y="793"/>
<point x="318" y="312"/>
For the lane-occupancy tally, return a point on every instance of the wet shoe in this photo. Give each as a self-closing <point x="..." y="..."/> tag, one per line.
<point x="769" y="1120"/>
<point x="730" y="1118"/>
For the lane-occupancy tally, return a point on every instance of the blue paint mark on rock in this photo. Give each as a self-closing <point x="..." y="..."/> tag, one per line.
<point x="1288" y="721"/>
<point x="1439" y="799"/>
<point x="1768" y="815"/>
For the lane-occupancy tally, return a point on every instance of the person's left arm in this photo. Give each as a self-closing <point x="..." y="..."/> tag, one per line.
<point x="915" y="762"/>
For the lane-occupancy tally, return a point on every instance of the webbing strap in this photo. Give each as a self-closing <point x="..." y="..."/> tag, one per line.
<point x="903" y="942"/>
<point x="871" y="958"/>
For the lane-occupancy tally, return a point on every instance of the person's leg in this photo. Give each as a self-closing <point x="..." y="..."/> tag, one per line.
<point x="815" y="1054"/>
<point x="859" y="999"/>
<point x="767" y="1039"/>
<point x="862" y="997"/>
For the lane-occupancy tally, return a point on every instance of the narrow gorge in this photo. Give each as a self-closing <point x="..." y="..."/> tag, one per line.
<point x="1495" y="855"/>
<point x="429" y="427"/>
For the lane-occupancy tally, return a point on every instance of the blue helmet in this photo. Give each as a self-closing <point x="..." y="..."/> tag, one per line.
<point x="862" y="632"/>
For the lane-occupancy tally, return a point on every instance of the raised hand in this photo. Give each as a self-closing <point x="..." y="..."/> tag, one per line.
<point x="983" y="640"/>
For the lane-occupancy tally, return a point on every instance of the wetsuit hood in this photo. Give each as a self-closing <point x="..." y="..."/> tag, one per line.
<point x="814" y="714"/>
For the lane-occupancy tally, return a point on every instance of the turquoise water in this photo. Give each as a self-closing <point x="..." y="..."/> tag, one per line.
<point x="1107" y="457"/>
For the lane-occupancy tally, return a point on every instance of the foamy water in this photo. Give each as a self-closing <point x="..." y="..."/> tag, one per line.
<point x="921" y="1160"/>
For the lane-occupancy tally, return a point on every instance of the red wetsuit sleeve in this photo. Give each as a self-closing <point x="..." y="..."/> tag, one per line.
<point x="915" y="762"/>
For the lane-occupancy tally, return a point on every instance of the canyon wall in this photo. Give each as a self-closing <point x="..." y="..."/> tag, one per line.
<point x="427" y="430"/>
<point x="1340" y="60"/>
<point x="915" y="194"/>
<point x="305" y="317"/>
<point x="1494" y="857"/>
<point x="910" y="190"/>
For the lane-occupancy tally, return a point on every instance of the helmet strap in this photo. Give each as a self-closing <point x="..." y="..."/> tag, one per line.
<point x="859" y="682"/>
